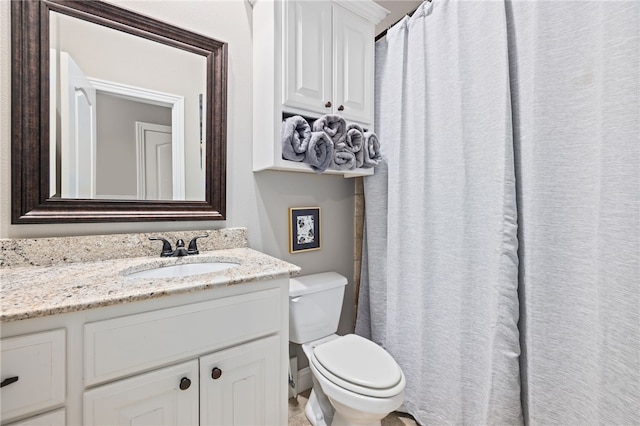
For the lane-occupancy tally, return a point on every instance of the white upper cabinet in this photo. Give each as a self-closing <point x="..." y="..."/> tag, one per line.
<point x="310" y="58"/>
<point x="328" y="60"/>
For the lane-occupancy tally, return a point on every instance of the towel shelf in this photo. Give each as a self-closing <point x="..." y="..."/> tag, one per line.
<point x="314" y="80"/>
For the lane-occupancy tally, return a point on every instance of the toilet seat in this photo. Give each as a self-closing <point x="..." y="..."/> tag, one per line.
<point x="358" y="365"/>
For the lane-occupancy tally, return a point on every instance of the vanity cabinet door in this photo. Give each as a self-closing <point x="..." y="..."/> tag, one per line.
<point x="239" y="386"/>
<point x="307" y="55"/>
<point x="32" y="371"/>
<point x="168" y="396"/>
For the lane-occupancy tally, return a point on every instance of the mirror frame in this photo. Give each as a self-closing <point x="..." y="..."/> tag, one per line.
<point x="30" y="118"/>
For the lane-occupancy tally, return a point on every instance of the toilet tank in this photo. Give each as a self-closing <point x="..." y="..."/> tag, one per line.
<point x="315" y="303"/>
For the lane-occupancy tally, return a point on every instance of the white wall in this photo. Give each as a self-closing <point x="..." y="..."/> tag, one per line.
<point x="259" y="201"/>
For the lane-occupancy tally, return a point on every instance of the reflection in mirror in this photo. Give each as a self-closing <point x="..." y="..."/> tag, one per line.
<point x="127" y="122"/>
<point x="115" y="116"/>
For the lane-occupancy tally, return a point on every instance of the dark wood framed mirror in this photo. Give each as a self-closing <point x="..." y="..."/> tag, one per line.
<point x="36" y="198"/>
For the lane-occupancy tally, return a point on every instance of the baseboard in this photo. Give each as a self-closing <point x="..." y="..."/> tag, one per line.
<point x="305" y="380"/>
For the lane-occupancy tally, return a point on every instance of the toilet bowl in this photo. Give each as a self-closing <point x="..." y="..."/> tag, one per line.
<point x="355" y="381"/>
<point x="360" y="379"/>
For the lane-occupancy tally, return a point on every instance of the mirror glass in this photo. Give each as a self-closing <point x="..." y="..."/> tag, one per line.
<point x="115" y="116"/>
<point x="126" y="115"/>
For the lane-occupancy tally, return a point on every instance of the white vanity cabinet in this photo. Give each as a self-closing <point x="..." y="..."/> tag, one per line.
<point x="211" y="357"/>
<point x="311" y="58"/>
<point x="328" y="61"/>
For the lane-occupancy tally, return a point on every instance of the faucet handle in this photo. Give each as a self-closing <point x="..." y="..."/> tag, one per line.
<point x="166" y="246"/>
<point x="193" y="247"/>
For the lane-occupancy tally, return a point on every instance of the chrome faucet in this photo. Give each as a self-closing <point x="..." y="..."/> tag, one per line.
<point x="167" y="251"/>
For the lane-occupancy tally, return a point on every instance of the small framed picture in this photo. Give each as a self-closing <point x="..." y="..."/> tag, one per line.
<point x="304" y="229"/>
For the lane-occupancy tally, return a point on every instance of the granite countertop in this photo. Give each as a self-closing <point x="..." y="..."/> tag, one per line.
<point x="36" y="291"/>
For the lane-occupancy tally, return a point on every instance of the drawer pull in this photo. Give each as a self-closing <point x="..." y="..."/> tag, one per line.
<point x="216" y="373"/>
<point x="7" y="382"/>
<point x="328" y="104"/>
<point x="185" y="383"/>
<point x="341" y="108"/>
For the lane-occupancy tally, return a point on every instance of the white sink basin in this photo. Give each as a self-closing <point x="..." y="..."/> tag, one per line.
<point x="182" y="270"/>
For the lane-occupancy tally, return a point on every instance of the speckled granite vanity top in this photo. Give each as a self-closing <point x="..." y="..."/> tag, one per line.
<point x="56" y="286"/>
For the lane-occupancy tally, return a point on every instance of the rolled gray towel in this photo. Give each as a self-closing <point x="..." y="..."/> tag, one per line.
<point x="360" y="157"/>
<point x="343" y="159"/>
<point x="355" y="138"/>
<point x="333" y="125"/>
<point x="295" y="134"/>
<point x="371" y="150"/>
<point x="320" y="152"/>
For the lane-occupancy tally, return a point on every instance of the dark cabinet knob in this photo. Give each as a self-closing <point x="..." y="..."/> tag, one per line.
<point x="328" y="104"/>
<point x="216" y="373"/>
<point x="8" y="381"/>
<point x="341" y="108"/>
<point x="185" y="383"/>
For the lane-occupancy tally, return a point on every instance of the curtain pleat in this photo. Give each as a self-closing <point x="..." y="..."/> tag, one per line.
<point x="576" y="76"/>
<point x="441" y="248"/>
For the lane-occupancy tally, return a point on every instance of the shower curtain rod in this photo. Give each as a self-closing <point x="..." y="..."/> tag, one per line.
<point x="384" y="33"/>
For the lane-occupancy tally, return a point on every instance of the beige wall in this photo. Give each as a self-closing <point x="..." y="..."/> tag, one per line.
<point x="260" y="201"/>
<point x="117" y="164"/>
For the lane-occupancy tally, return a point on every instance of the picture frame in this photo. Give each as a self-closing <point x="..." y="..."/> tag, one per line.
<point x="304" y="229"/>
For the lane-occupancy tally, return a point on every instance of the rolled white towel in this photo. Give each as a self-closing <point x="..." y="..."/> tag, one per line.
<point x="320" y="152"/>
<point x="295" y="134"/>
<point x="333" y="125"/>
<point x="371" y="150"/>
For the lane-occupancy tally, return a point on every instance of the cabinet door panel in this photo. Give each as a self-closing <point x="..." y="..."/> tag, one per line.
<point x="246" y="392"/>
<point x="151" y="399"/>
<point x="307" y="55"/>
<point x="35" y="366"/>
<point x="353" y="63"/>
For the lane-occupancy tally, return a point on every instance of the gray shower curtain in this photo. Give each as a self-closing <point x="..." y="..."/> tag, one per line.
<point x="505" y="216"/>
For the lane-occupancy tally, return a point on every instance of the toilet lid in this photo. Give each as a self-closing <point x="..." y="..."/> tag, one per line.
<point x="357" y="360"/>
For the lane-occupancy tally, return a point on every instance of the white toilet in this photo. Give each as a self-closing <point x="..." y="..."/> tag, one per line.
<point x="355" y="381"/>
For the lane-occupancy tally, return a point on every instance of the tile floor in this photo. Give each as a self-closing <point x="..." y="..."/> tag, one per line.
<point x="297" y="417"/>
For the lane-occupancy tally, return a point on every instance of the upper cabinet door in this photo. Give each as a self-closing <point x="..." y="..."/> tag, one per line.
<point x="353" y="38"/>
<point x="307" y="55"/>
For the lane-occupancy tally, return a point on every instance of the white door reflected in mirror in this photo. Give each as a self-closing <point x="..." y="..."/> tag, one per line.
<point x="77" y="144"/>
<point x="155" y="169"/>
